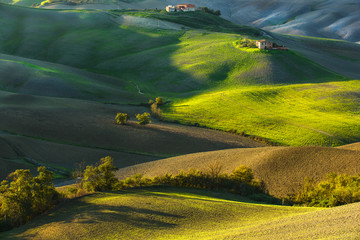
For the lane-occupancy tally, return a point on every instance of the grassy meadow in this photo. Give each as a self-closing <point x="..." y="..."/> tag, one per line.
<point x="308" y="114"/>
<point x="175" y="213"/>
<point x="65" y="74"/>
<point x="208" y="79"/>
<point x="153" y="214"/>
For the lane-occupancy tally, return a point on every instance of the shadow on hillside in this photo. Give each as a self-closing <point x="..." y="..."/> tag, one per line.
<point x="94" y="215"/>
<point x="95" y="42"/>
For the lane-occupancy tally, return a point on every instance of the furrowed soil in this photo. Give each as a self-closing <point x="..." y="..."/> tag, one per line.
<point x="283" y="169"/>
<point x="64" y="132"/>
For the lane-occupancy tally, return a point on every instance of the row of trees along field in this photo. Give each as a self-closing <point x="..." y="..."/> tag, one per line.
<point x="144" y="118"/>
<point x="24" y="196"/>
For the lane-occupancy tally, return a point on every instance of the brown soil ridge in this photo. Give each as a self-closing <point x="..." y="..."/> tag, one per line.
<point x="283" y="169"/>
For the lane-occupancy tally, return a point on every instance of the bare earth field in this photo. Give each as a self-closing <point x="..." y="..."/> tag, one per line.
<point x="283" y="169"/>
<point x="64" y="132"/>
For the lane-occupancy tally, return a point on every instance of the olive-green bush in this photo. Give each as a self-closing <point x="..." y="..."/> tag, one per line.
<point x="334" y="191"/>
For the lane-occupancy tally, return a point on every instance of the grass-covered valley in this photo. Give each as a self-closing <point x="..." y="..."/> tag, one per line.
<point x="288" y="115"/>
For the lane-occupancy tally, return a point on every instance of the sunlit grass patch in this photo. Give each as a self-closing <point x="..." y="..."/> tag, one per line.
<point x="309" y="114"/>
<point x="154" y="213"/>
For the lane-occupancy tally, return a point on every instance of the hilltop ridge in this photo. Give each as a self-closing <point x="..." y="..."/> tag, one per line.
<point x="327" y="19"/>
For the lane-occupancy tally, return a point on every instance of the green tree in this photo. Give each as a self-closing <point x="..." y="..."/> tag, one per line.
<point x="144" y="118"/>
<point x="336" y="190"/>
<point x="159" y="101"/>
<point x="44" y="194"/>
<point x="26" y="196"/>
<point x="243" y="174"/>
<point x="122" y="118"/>
<point x="92" y="179"/>
<point x="17" y="197"/>
<point x="107" y="170"/>
<point x="100" y="178"/>
<point x="150" y="102"/>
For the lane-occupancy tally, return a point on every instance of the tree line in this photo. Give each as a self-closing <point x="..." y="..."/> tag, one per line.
<point x="24" y="196"/>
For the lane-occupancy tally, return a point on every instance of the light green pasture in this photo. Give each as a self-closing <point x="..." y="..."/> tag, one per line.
<point x="324" y="114"/>
<point x="155" y="213"/>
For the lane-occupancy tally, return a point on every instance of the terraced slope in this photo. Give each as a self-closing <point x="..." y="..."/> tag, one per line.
<point x="185" y="214"/>
<point x="283" y="169"/>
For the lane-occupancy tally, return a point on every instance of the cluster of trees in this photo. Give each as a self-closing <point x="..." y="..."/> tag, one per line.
<point x="23" y="196"/>
<point x="123" y="118"/>
<point x="336" y="190"/>
<point x="144" y="118"/>
<point x="245" y="42"/>
<point x="154" y="107"/>
<point x="211" y="11"/>
<point x="240" y="181"/>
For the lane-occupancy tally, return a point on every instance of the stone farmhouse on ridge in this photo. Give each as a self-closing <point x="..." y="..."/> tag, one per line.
<point x="265" y="44"/>
<point x="181" y="8"/>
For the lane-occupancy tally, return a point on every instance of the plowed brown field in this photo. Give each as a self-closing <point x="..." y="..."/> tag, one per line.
<point x="282" y="168"/>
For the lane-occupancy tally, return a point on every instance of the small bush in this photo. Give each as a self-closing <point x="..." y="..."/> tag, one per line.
<point x="244" y="42"/>
<point x="159" y="101"/>
<point x="150" y="102"/>
<point x="122" y="118"/>
<point x="156" y="111"/>
<point x="72" y="191"/>
<point x="336" y="190"/>
<point x="243" y="174"/>
<point x="144" y="118"/>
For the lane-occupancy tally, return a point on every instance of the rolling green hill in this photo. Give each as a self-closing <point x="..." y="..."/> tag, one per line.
<point x="159" y="213"/>
<point x="161" y="61"/>
<point x="298" y="115"/>
<point x="27" y="76"/>
<point x="208" y="78"/>
<point x="64" y="74"/>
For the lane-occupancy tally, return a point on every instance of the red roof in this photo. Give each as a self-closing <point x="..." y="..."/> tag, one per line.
<point x="186" y="5"/>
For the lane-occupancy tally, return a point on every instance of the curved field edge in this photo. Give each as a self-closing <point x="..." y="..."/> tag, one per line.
<point x="157" y="213"/>
<point x="324" y="114"/>
<point x="283" y="169"/>
<point x="174" y="213"/>
<point x="204" y="65"/>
